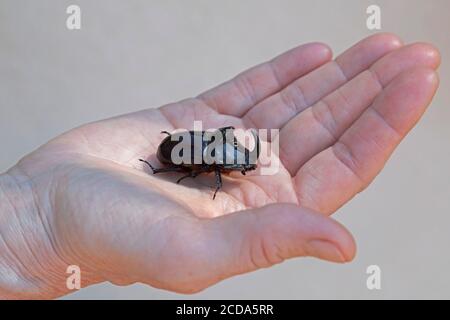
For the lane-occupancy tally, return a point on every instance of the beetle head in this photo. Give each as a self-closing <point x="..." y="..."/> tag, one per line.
<point x="252" y="156"/>
<point x="228" y="152"/>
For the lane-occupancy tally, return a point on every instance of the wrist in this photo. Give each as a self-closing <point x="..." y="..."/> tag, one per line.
<point x="30" y="265"/>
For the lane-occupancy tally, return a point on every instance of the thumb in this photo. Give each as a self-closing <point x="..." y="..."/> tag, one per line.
<point x="258" y="238"/>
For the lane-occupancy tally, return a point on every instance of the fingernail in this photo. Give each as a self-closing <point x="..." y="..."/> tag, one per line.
<point x="326" y="250"/>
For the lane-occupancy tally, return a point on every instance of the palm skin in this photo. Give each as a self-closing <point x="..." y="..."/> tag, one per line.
<point x="339" y="121"/>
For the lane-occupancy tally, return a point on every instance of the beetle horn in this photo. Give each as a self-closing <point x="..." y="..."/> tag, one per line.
<point x="257" y="147"/>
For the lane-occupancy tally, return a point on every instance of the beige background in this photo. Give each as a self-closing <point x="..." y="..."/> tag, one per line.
<point x="135" y="54"/>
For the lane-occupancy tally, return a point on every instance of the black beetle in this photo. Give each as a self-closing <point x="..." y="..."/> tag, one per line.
<point x="223" y="156"/>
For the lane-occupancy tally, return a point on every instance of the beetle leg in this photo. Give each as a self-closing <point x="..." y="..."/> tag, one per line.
<point x="243" y="172"/>
<point x="218" y="182"/>
<point x="191" y="174"/>
<point x="183" y="177"/>
<point x="148" y="163"/>
<point x="166" y="132"/>
<point x="166" y="169"/>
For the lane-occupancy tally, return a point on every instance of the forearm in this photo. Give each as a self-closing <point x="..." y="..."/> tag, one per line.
<point x="30" y="267"/>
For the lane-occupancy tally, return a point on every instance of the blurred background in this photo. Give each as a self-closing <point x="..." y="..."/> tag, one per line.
<point x="136" y="54"/>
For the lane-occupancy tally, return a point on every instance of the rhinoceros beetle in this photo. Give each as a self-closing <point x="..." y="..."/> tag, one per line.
<point x="223" y="156"/>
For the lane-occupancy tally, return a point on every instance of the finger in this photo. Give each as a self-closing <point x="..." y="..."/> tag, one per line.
<point x="236" y="96"/>
<point x="279" y="108"/>
<point x="320" y="126"/>
<point x="259" y="238"/>
<point x="338" y="173"/>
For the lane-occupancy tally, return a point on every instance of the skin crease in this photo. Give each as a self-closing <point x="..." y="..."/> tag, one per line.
<point x="85" y="199"/>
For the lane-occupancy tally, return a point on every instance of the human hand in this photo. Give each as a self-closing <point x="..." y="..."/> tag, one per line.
<point x="89" y="201"/>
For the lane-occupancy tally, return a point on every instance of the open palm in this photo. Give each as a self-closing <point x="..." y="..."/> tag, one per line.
<point x="339" y="121"/>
